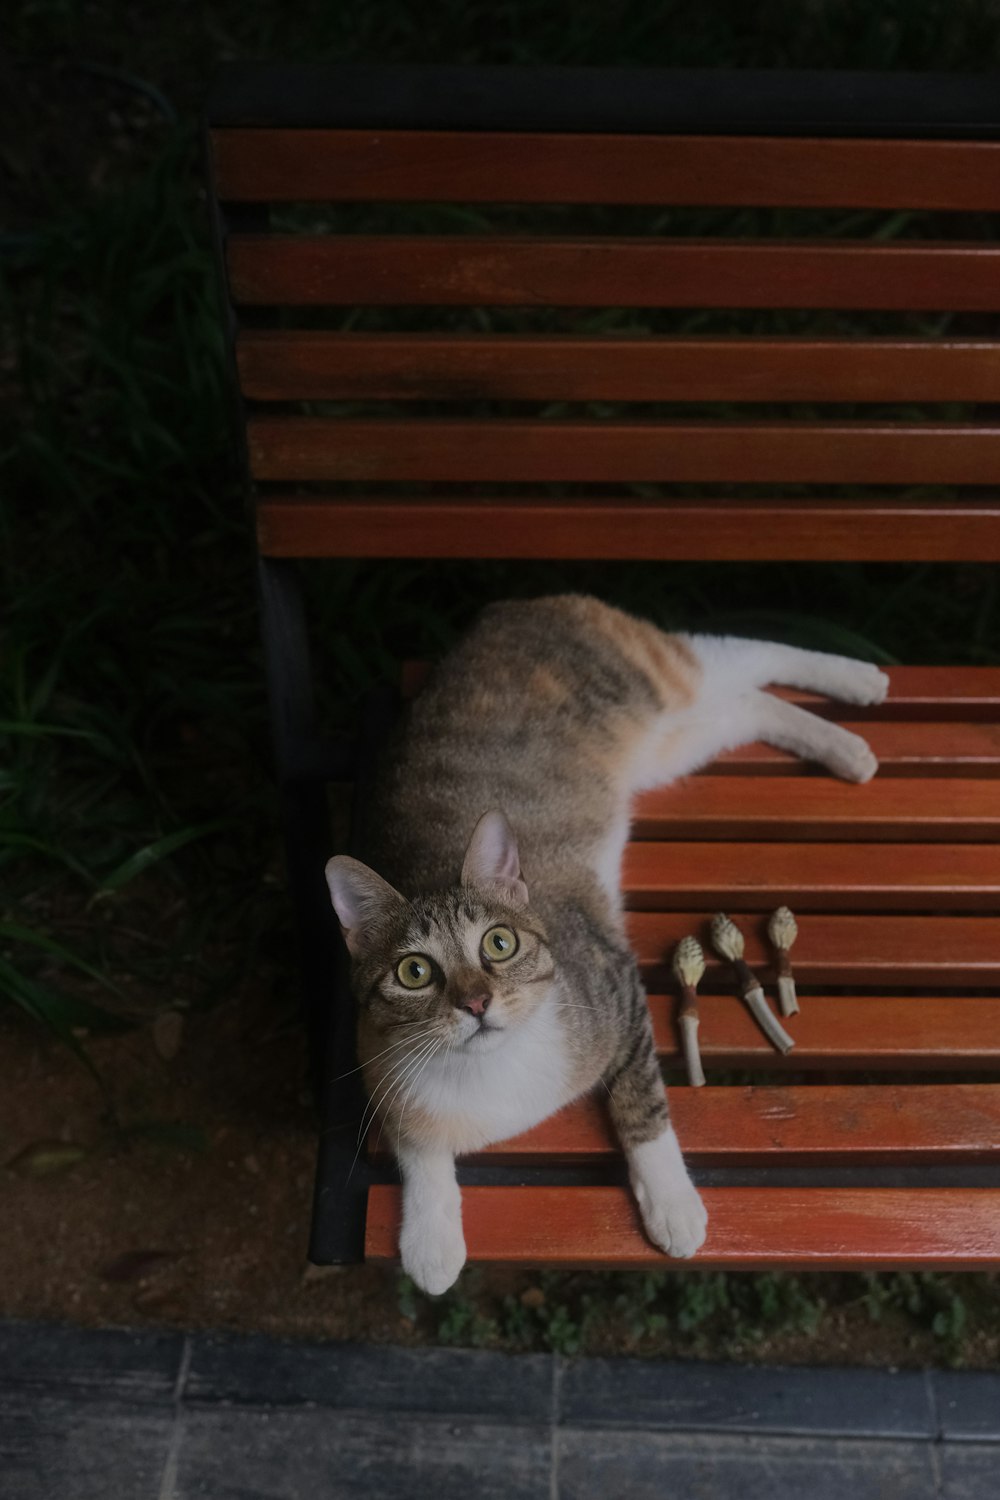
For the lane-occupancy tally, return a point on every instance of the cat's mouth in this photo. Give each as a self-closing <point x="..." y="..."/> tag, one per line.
<point x="482" y="1031"/>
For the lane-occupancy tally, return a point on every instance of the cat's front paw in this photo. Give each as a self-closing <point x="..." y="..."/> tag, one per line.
<point x="671" y="1207"/>
<point x="677" y="1225"/>
<point x="433" y="1253"/>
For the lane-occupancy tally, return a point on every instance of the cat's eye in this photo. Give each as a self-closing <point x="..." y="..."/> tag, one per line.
<point x="498" y="944"/>
<point x="414" y="971"/>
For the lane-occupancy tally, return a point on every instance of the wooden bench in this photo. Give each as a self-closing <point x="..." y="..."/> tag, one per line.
<point x="471" y="317"/>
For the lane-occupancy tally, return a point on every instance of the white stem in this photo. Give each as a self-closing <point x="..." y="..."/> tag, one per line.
<point x="787" y="996"/>
<point x="689" y="1045"/>
<point x="767" y="1020"/>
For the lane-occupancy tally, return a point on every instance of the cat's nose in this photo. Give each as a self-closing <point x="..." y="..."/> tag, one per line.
<point x="476" y="1005"/>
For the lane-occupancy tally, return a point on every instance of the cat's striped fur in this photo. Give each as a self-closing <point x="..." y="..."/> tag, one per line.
<point x="504" y="806"/>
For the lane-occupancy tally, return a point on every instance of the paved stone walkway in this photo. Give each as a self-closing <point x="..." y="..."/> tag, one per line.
<point x="111" y="1415"/>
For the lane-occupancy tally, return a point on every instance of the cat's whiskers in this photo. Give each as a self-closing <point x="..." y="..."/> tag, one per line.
<point x="414" y="1082"/>
<point x="411" y="1069"/>
<point x="374" y="1104"/>
<point x="377" y="1098"/>
<point x="403" y="1042"/>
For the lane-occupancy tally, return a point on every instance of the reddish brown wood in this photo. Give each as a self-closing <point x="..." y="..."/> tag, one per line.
<point x="748" y="1228"/>
<point x="926" y="1033"/>
<point x="816" y="1124"/>
<point x="900" y="810"/>
<point x="515" y="451"/>
<point x="256" y="165"/>
<point x="890" y="951"/>
<point x="903" y="749"/>
<point x="852" y="1125"/>
<point x="299" y="364"/>
<point x="387" y="270"/>
<point x="811" y="877"/>
<point x="625" y="528"/>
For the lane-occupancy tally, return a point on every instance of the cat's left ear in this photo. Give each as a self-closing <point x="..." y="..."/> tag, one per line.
<point x="492" y="858"/>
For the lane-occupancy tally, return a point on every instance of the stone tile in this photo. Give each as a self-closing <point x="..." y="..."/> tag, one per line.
<point x="441" y="1382"/>
<point x="968" y="1405"/>
<point x="105" y="1362"/>
<point x="55" y="1448"/>
<point x="970" y="1471"/>
<point x="289" y="1453"/>
<point x="743" y="1398"/>
<point x="596" y="1465"/>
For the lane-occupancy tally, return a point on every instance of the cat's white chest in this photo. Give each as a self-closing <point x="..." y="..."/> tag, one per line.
<point x="478" y="1100"/>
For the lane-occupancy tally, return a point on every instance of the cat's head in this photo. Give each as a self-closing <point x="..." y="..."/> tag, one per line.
<point x="470" y="962"/>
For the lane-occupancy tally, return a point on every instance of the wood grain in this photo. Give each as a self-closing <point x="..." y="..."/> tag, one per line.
<point x="898" y="810"/>
<point x="748" y="1228"/>
<point x="396" y="270"/>
<point x="624" y="528"/>
<point x="883" y="950"/>
<point x="850" y="877"/>
<point x="812" y="1124"/>
<point x="259" y="165"/>
<point x="508" y="450"/>
<point x="925" y="1033"/>
<point x="301" y="364"/>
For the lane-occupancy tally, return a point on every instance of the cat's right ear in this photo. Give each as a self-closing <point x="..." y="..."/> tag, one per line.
<point x="362" y="900"/>
<point x="492" y="858"/>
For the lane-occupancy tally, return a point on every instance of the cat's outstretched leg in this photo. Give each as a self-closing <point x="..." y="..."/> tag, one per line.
<point x="431" y="1242"/>
<point x="671" y="1208"/>
<point x="731" y="666"/>
<point x="690" y="740"/>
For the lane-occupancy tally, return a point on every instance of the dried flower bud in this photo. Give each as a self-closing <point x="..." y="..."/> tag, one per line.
<point x="689" y="961"/>
<point x="689" y="966"/>
<point x="727" y="939"/>
<point x="782" y="928"/>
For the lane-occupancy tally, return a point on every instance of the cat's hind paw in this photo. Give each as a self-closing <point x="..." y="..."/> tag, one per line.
<point x="862" y="683"/>
<point x="852" y="758"/>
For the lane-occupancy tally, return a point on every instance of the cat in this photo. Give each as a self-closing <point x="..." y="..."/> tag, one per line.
<point x="489" y="960"/>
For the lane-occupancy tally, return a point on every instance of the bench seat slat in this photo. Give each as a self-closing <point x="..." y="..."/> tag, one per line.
<point x="902" y="809"/>
<point x="513" y="451"/>
<point x="925" y="1033"/>
<point x="301" y="364"/>
<point x="946" y="952"/>
<point x="869" y="1124"/>
<point x="626" y="528"/>
<point x="849" y="877"/>
<point x="457" y="271"/>
<point x="257" y="165"/>
<point x="748" y="1228"/>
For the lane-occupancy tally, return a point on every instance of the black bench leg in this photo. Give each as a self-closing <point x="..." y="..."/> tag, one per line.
<point x="303" y="766"/>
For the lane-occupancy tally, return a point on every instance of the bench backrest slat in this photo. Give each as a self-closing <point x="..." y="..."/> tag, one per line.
<point x="282" y="166"/>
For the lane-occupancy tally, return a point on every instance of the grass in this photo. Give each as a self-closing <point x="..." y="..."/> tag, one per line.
<point x="137" y="824"/>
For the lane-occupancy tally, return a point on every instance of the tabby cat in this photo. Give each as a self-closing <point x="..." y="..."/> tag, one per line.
<point x="489" y="958"/>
